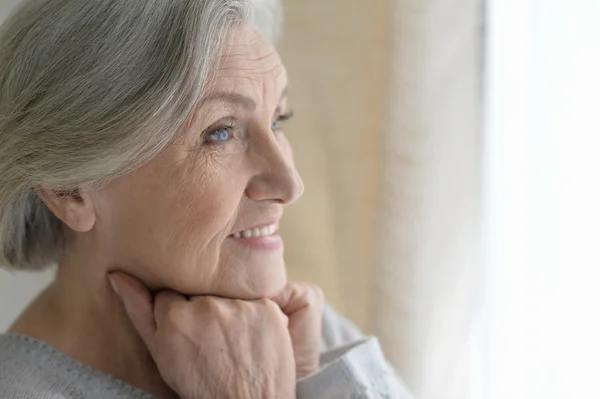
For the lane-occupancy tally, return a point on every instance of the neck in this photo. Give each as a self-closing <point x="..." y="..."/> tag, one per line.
<point x="80" y="315"/>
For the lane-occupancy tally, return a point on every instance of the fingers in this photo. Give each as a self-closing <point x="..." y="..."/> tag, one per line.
<point x="138" y="303"/>
<point x="168" y="306"/>
<point x="275" y="310"/>
<point x="298" y="295"/>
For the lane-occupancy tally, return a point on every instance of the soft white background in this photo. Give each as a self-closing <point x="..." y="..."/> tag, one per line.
<point x="16" y="291"/>
<point x="539" y="330"/>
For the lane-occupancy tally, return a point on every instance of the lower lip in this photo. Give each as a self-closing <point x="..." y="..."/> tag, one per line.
<point x="267" y="243"/>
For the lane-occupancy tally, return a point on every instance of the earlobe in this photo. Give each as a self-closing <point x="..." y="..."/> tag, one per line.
<point x="73" y="207"/>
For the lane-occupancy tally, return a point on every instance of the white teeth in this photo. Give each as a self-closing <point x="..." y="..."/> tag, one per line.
<point x="257" y="232"/>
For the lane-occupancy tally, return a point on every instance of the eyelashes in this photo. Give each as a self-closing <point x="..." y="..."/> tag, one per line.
<point x="286" y="116"/>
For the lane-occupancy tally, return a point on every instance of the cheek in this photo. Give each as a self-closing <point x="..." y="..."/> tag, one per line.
<point x="173" y="213"/>
<point x="205" y="204"/>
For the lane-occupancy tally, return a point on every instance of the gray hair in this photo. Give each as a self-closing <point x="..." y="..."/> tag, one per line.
<point x="91" y="90"/>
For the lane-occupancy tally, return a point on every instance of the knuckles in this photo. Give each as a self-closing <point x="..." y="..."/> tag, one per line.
<point x="311" y="294"/>
<point x="206" y="310"/>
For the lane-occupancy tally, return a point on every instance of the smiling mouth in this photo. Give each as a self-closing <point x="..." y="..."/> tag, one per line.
<point x="256" y="232"/>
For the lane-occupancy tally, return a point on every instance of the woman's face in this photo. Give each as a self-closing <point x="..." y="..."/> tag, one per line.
<point x="202" y="217"/>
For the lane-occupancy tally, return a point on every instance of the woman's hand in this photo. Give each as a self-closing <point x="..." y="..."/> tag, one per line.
<point x="209" y="347"/>
<point x="303" y="305"/>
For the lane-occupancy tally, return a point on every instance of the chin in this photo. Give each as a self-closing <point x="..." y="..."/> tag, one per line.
<point x="255" y="274"/>
<point x="273" y="289"/>
<point x="264" y="283"/>
<point x="245" y="276"/>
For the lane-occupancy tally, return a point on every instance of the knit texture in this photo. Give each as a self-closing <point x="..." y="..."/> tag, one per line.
<point x="351" y="367"/>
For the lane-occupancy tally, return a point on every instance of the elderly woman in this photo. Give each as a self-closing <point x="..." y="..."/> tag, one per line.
<point x="142" y="150"/>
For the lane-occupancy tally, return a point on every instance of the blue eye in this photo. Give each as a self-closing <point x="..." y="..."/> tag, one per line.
<point x="282" y="118"/>
<point x="222" y="134"/>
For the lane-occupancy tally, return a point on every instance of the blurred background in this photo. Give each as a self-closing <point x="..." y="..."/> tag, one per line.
<point x="449" y="151"/>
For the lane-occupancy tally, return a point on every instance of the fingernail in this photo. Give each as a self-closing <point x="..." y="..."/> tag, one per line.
<point x="113" y="284"/>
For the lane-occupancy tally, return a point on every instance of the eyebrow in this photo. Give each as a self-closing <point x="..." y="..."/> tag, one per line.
<point x="238" y="99"/>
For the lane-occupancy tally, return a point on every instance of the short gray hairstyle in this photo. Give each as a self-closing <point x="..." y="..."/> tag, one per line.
<point x="91" y="90"/>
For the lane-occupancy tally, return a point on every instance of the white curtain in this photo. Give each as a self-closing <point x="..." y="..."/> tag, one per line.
<point x="538" y="331"/>
<point x="428" y="252"/>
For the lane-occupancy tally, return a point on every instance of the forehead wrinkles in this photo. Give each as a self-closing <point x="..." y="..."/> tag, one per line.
<point x="248" y="53"/>
<point x="258" y="68"/>
<point x="250" y="63"/>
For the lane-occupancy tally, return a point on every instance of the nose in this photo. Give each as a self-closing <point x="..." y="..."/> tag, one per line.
<point x="276" y="178"/>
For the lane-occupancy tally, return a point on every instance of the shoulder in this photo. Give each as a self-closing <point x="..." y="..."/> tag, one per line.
<point x="23" y="373"/>
<point x="337" y="331"/>
<point x="32" y="369"/>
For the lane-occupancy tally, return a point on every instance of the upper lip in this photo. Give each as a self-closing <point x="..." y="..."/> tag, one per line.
<point x="258" y="226"/>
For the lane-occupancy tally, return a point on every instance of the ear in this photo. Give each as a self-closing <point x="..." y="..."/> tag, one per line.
<point x="74" y="207"/>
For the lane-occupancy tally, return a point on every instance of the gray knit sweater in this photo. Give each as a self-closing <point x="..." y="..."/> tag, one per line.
<point x="351" y="367"/>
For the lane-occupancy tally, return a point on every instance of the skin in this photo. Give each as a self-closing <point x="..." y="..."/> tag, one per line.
<point x="163" y="236"/>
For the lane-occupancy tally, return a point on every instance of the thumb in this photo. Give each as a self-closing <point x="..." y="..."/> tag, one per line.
<point x="138" y="303"/>
<point x="287" y="298"/>
<point x="298" y="297"/>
